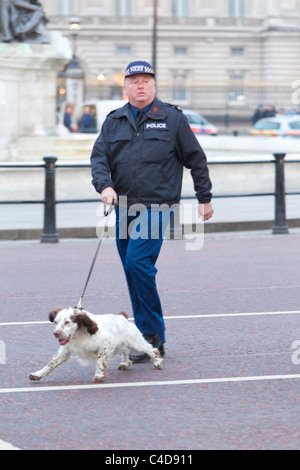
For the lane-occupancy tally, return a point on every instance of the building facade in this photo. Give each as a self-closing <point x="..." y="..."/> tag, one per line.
<point x="217" y="56"/>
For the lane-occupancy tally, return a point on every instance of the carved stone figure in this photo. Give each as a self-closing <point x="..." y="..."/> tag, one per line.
<point x="22" y="21"/>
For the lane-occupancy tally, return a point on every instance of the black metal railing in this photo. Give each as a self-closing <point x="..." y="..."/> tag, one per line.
<point x="49" y="232"/>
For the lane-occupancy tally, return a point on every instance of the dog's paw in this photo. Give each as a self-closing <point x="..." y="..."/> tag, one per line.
<point x="159" y="366"/>
<point x="98" y="379"/>
<point x="158" y="361"/>
<point x="34" y="377"/>
<point x="124" y="366"/>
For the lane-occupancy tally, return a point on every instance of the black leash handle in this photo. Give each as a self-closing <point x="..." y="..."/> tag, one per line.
<point x="105" y="228"/>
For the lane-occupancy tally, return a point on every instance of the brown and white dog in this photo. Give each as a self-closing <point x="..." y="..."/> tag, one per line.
<point x="95" y="338"/>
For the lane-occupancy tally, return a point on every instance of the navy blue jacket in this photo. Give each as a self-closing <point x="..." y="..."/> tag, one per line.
<point x="146" y="163"/>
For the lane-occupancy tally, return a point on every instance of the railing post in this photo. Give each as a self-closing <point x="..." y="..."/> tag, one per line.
<point x="280" y="225"/>
<point x="49" y="234"/>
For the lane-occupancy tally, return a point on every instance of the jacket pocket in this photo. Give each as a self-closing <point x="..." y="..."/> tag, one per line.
<point x="158" y="146"/>
<point x="120" y="135"/>
<point x="121" y="177"/>
<point x="118" y="144"/>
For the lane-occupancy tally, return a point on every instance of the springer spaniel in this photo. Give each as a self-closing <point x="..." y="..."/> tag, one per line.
<point x="95" y="338"/>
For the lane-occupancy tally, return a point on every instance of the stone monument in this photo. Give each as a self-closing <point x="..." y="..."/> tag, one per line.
<point x="23" y="20"/>
<point x="30" y="59"/>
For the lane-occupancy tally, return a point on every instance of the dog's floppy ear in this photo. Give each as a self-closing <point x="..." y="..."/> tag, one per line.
<point x="53" y="313"/>
<point x="84" y="321"/>
<point x="124" y="315"/>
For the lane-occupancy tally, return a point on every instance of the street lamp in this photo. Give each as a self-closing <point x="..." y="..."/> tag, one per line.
<point x="74" y="27"/>
<point x="101" y="77"/>
<point x="73" y="72"/>
<point x="73" y="68"/>
<point x="154" y="37"/>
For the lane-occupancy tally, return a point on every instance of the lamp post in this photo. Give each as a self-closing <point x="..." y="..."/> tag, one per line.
<point x="73" y="71"/>
<point x="101" y="77"/>
<point x="154" y="36"/>
<point x="74" y="27"/>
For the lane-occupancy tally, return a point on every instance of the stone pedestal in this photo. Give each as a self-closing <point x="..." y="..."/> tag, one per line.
<point x="28" y="75"/>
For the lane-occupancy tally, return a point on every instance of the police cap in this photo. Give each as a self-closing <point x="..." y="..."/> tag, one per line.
<point x="139" y="66"/>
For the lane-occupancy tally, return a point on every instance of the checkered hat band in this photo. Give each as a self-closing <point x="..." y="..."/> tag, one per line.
<point x="135" y="69"/>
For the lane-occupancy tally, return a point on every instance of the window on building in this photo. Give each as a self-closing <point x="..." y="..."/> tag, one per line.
<point x="236" y="92"/>
<point x="180" y="90"/>
<point x="123" y="7"/>
<point x="66" y="7"/>
<point x="237" y="8"/>
<point x="237" y="51"/>
<point x="180" y="95"/>
<point x="181" y="7"/>
<point x="123" y="50"/>
<point x="237" y="77"/>
<point x="180" y="50"/>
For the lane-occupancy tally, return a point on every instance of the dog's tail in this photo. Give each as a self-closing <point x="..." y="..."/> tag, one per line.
<point x="124" y="315"/>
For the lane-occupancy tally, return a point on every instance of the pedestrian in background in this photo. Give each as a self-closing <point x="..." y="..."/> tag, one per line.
<point x="259" y="114"/>
<point x="270" y="111"/>
<point x="68" y="115"/>
<point x="88" y="122"/>
<point x="140" y="155"/>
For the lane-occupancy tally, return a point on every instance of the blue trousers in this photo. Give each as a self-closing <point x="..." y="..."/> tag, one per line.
<point x="139" y="241"/>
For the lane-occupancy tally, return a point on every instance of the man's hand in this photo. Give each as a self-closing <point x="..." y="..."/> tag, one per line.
<point x="109" y="196"/>
<point x="205" y="211"/>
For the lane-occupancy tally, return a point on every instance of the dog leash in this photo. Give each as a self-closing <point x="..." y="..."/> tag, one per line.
<point x="105" y="229"/>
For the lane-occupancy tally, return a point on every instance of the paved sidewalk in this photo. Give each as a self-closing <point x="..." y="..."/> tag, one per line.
<point x="247" y="213"/>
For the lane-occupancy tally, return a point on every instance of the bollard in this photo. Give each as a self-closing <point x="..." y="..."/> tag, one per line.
<point x="49" y="234"/>
<point x="280" y="224"/>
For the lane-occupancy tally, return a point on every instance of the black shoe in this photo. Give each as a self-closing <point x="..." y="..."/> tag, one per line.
<point x="143" y="357"/>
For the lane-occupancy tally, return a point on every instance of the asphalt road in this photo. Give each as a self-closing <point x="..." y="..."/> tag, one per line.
<point x="231" y="378"/>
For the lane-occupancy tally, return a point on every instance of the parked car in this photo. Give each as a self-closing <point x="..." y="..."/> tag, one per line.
<point x="199" y="124"/>
<point x="284" y="126"/>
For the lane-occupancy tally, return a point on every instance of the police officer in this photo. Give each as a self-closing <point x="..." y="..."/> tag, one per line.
<point x="139" y="157"/>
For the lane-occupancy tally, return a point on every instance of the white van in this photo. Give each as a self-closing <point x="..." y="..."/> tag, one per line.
<point x="102" y="108"/>
<point x="98" y="108"/>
